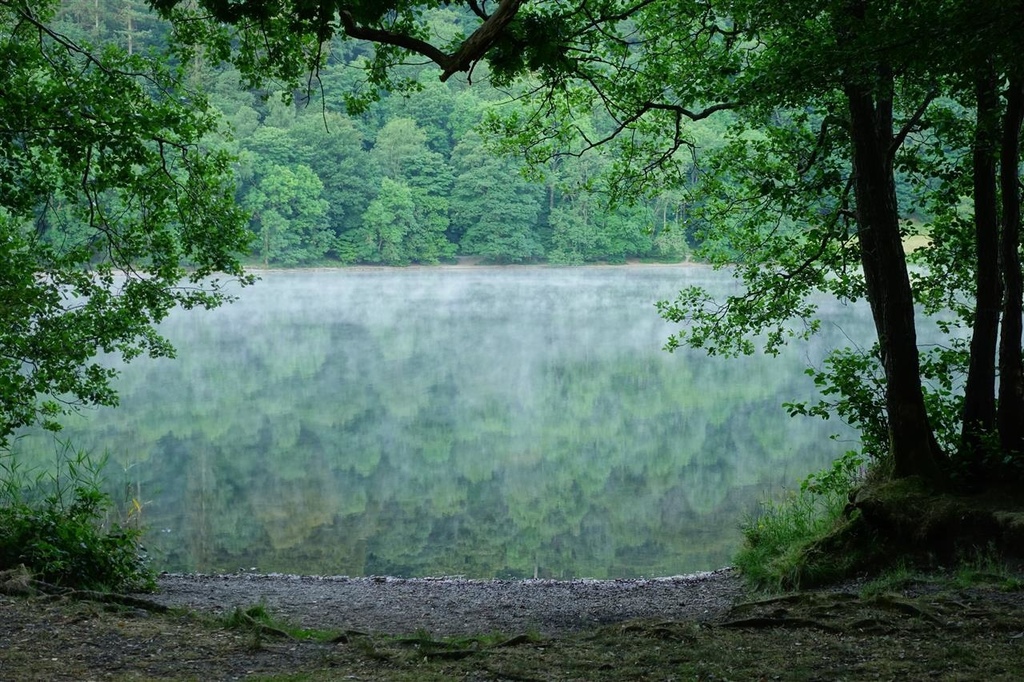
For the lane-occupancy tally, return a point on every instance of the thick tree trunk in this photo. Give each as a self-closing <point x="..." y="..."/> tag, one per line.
<point x="979" y="412"/>
<point x="911" y="441"/>
<point x="1010" y="416"/>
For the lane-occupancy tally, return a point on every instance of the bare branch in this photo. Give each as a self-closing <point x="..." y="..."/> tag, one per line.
<point x="692" y="115"/>
<point x="354" y="30"/>
<point x="818" y="146"/>
<point x="481" y="40"/>
<point x="598" y="22"/>
<point x="471" y="51"/>
<point x="911" y="123"/>
<point x="478" y="10"/>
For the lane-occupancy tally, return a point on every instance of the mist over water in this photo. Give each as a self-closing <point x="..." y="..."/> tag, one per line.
<point x="456" y="421"/>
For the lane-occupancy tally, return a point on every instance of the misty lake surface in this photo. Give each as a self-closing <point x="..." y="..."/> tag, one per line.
<point x="485" y="422"/>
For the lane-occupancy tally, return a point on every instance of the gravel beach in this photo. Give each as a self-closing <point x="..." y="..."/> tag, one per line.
<point x="453" y="606"/>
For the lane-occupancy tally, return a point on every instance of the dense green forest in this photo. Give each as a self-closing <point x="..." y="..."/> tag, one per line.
<point x="408" y="180"/>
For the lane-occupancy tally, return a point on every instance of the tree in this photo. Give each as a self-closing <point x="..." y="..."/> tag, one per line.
<point x="836" y="72"/>
<point x="387" y="224"/>
<point x="494" y="209"/>
<point x="401" y="153"/>
<point x="112" y="212"/>
<point x="333" y="147"/>
<point x="125" y="23"/>
<point x="291" y="215"/>
<point x="584" y="228"/>
<point x="432" y="109"/>
<point x="841" y="74"/>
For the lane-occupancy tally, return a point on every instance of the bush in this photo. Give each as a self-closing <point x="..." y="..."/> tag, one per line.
<point x="57" y="525"/>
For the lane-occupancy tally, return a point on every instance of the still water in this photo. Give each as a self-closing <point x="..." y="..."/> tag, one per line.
<point x="443" y="421"/>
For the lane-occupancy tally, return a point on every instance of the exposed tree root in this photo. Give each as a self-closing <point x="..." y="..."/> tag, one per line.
<point x="780" y="622"/>
<point x="19" y="582"/>
<point x="262" y="628"/>
<point x="907" y="607"/>
<point x="514" y="641"/>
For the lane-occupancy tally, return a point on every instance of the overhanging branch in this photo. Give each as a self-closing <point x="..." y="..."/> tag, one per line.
<point x="471" y="51"/>
<point x="911" y="123"/>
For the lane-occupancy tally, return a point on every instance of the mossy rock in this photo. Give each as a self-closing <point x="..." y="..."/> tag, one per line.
<point x="942" y="524"/>
<point x="907" y="521"/>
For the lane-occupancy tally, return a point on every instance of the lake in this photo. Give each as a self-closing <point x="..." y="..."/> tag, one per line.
<point x="485" y="422"/>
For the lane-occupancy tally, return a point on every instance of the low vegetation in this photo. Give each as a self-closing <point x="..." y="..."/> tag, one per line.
<point x="773" y="556"/>
<point x="62" y="528"/>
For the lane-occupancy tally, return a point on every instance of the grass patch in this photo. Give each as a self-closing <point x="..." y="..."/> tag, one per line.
<point x="982" y="570"/>
<point x="257" y="621"/>
<point x="987" y="569"/>
<point x="777" y="551"/>
<point x="894" y="579"/>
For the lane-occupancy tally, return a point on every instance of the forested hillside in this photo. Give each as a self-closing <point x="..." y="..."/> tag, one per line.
<point x="409" y="179"/>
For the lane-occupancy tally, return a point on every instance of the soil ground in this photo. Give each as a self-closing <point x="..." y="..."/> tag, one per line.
<point x="692" y="628"/>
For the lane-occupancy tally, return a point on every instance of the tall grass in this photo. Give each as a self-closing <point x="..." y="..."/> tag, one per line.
<point x="775" y="539"/>
<point x="60" y="525"/>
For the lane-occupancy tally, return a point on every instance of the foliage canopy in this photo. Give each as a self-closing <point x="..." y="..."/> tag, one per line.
<point x="112" y="212"/>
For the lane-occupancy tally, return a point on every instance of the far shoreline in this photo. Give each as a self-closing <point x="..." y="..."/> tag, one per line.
<point x="256" y="576"/>
<point x="479" y="266"/>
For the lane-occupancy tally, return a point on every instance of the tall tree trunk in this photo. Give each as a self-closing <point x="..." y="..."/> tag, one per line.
<point x="979" y="411"/>
<point x="1010" y="416"/>
<point x="912" y="443"/>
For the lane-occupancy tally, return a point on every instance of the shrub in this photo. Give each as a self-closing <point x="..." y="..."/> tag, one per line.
<point x="57" y="524"/>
